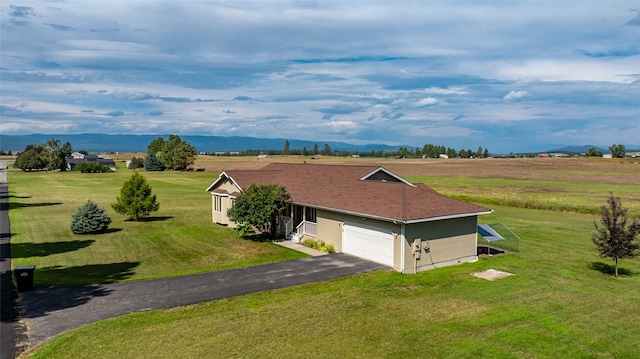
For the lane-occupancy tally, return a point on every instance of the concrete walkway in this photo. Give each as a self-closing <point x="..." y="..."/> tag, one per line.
<point x="53" y="310"/>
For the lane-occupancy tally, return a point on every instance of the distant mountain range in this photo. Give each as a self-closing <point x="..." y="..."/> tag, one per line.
<point x="92" y="142"/>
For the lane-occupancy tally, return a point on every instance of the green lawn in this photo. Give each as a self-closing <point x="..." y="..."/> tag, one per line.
<point x="178" y="239"/>
<point x="561" y="302"/>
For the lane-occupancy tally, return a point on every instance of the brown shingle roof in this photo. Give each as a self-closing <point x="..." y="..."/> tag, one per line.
<point x="340" y="188"/>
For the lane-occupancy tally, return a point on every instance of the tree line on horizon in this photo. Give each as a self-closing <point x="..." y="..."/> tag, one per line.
<point x="173" y="153"/>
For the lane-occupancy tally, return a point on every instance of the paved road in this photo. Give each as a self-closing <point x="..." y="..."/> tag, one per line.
<point x="11" y="330"/>
<point x="53" y="310"/>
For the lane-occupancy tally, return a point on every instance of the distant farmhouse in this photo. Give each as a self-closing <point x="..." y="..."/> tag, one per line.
<point x="78" y="157"/>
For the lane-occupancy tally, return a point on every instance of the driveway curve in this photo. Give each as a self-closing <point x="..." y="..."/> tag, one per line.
<point x="52" y="310"/>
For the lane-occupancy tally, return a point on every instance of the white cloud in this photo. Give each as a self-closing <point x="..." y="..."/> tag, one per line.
<point x="428" y="101"/>
<point x="514" y="95"/>
<point x="448" y="91"/>
<point x="398" y="72"/>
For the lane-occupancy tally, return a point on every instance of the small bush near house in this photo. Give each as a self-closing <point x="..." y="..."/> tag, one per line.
<point x="244" y="230"/>
<point x="89" y="219"/>
<point x="92" y="168"/>
<point x="319" y="245"/>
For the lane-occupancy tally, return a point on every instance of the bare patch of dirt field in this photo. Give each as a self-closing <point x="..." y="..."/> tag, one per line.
<point x="600" y="170"/>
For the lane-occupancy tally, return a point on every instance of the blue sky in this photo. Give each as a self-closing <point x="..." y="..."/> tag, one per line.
<point x="508" y="76"/>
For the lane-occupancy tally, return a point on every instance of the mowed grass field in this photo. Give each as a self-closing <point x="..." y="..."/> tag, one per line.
<point x="561" y="301"/>
<point x="178" y="239"/>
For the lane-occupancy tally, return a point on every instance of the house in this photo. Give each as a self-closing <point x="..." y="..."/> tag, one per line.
<point x="77" y="157"/>
<point x="366" y="211"/>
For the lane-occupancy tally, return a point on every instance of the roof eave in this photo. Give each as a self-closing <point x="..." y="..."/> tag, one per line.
<point x="217" y="181"/>
<point x="449" y="216"/>
<point x="388" y="219"/>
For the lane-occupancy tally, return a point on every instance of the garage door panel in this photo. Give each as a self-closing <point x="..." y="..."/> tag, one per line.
<point x="371" y="243"/>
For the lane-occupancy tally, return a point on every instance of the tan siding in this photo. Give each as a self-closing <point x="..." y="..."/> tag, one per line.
<point x="221" y="217"/>
<point x="450" y="242"/>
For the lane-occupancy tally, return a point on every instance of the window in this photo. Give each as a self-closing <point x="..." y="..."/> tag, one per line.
<point x="217" y="204"/>
<point x="310" y="214"/>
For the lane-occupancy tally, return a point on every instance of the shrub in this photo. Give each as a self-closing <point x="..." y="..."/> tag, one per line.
<point x="244" y="230"/>
<point x="89" y="219"/>
<point x="86" y="167"/>
<point x="319" y="245"/>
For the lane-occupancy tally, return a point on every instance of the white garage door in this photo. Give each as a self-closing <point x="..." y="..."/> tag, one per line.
<point x="371" y="243"/>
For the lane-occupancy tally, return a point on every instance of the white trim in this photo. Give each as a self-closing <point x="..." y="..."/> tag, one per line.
<point x="216" y="182"/>
<point x="451" y="216"/>
<point x="365" y="177"/>
<point x="387" y="219"/>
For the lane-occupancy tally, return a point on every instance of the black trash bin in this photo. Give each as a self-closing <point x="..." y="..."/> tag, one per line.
<point x="24" y="277"/>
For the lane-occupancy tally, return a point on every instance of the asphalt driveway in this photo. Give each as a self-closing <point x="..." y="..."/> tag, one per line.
<point x="51" y="310"/>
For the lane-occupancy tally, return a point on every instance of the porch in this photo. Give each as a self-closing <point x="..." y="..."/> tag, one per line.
<point x="300" y="221"/>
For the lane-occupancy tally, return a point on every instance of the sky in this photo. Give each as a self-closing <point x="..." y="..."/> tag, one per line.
<point x="508" y="76"/>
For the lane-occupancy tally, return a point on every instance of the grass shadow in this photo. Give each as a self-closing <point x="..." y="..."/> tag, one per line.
<point x="86" y="274"/>
<point x="609" y="269"/>
<point x="26" y="250"/>
<point x="16" y="205"/>
<point x="151" y="219"/>
<point x="259" y="238"/>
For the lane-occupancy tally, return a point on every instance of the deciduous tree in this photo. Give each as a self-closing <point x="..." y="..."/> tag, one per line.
<point x="616" y="239"/>
<point x="174" y="152"/>
<point x="592" y="152"/>
<point x="260" y="205"/>
<point x="30" y="159"/>
<point x="618" y="151"/>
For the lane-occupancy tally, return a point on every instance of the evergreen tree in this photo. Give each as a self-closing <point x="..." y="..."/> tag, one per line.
<point x="327" y="150"/>
<point x="135" y="198"/>
<point x="486" y="153"/>
<point x="90" y="219"/>
<point x="133" y="163"/>
<point x="153" y="163"/>
<point x="617" y="238"/>
<point x="315" y="151"/>
<point x="285" y="149"/>
<point x="304" y="151"/>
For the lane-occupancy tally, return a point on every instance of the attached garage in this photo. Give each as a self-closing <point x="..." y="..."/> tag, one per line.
<point x="374" y="244"/>
<point x="365" y="211"/>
